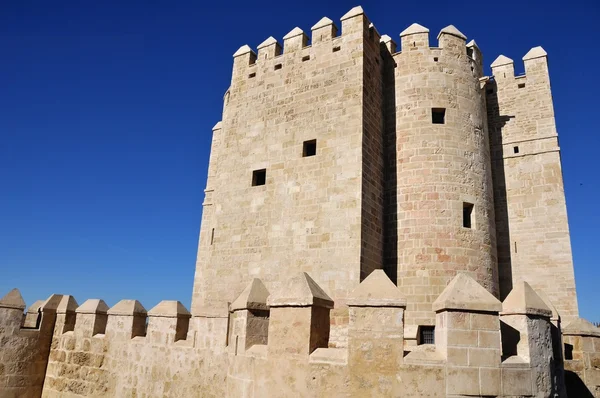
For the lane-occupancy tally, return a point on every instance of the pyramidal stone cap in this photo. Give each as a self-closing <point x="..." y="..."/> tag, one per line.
<point x="385" y="39"/>
<point x="67" y="304"/>
<point x="555" y="314"/>
<point x="170" y="309"/>
<point x="323" y="22"/>
<point x="535" y="52"/>
<point x="127" y="307"/>
<point x="268" y="42"/>
<point x="501" y="60"/>
<point x="13" y="299"/>
<point x="293" y="33"/>
<point x="35" y="307"/>
<point x="414" y="29"/>
<point x="451" y="30"/>
<point x="464" y="293"/>
<point x="254" y="297"/>
<point x="377" y="290"/>
<point x="245" y="49"/>
<point x="92" y="306"/>
<point x="300" y="291"/>
<point x="358" y="10"/>
<point x="52" y="303"/>
<point x="523" y="300"/>
<point x="472" y="43"/>
<point x="581" y="327"/>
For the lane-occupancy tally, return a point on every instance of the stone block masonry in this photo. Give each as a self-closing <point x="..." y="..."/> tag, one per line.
<point x="376" y="223"/>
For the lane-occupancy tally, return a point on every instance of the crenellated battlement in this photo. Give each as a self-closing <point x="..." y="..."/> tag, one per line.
<point x="324" y="46"/>
<point x="481" y="346"/>
<point x="355" y="240"/>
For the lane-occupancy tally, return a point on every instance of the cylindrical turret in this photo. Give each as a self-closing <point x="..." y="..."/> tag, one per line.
<point x="444" y="189"/>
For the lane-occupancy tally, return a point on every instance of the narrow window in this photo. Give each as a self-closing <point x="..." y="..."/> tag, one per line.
<point x="278" y="66"/>
<point x="336" y="49"/>
<point x="259" y="177"/>
<point x="426" y="335"/>
<point x="305" y="58"/>
<point x="438" y="115"/>
<point x="521" y="85"/>
<point x="516" y="149"/>
<point x="212" y="236"/>
<point x="467" y="215"/>
<point x="568" y="351"/>
<point x="309" y="148"/>
<point x="435" y="59"/>
<point x="251" y="75"/>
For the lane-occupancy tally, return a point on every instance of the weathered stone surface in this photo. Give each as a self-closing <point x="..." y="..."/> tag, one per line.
<point x="13" y="299"/>
<point x="581" y="327"/>
<point x="169" y="308"/>
<point x="413" y="29"/>
<point x="372" y="158"/>
<point x="127" y="307"/>
<point x="524" y="300"/>
<point x="535" y="52"/>
<point x="67" y="304"/>
<point x="92" y="306"/>
<point x="300" y="291"/>
<point x="451" y="30"/>
<point x="254" y="297"/>
<point x="377" y="290"/>
<point x="501" y="61"/>
<point x="464" y="293"/>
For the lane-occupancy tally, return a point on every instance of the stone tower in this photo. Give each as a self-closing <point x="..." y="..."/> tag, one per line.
<point x="344" y="156"/>
<point x="531" y="214"/>
<point x="443" y="184"/>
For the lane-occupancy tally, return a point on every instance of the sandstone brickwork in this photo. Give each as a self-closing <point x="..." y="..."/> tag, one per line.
<point x="379" y="220"/>
<point x="531" y="215"/>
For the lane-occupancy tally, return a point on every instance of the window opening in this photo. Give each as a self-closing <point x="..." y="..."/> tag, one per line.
<point x="467" y="215"/>
<point x="259" y="177"/>
<point x="438" y="115"/>
<point x="309" y="148"/>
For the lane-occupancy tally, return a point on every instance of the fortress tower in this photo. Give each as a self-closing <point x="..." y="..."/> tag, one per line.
<point x="366" y="211"/>
<point x="344" y="156"/>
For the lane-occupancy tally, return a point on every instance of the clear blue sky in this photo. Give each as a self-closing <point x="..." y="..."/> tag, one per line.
<point x="106" y="110"/>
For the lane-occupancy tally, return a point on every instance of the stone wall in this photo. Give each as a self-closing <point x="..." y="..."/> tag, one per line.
<point x="24" y="351"/>
<point x="278" y="346"/>
<point x="442" y="166"/>
<point x="531" y="215"/>
<point x="322" y="214"/>
<point x="111" y="352"/>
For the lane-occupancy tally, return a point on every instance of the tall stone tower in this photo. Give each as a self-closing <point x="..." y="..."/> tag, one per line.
<point x="344" y="155"/>
<point x="531" y="213"/>
<point x="296" y="170"/>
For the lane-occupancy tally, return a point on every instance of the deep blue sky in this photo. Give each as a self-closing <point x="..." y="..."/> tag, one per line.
<point x="106" y="110"/>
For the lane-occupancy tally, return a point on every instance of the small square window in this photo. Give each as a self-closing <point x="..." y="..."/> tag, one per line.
<point x="521" y="85"/>
<point x="259" y="177"/>
<point x="309" y="148"/>
<point x="435" y="59"/>
<point x="251" y="75"/>
<point x="516" y="149"/>
<point x="278" y="66"/>
<point x="438" y="115"/>
<point x="305" y="58"/>
<point x="426" y="335"/>
<point x="468" y="215"/>
<point x="336" y="49"/>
